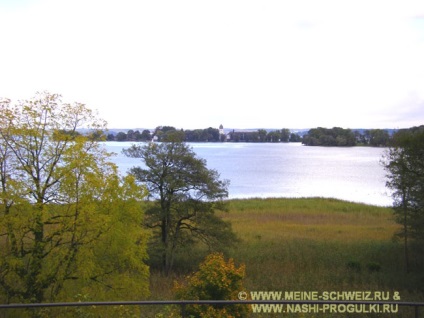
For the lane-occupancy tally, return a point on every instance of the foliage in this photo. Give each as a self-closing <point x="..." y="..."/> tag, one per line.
<point x="295" y="138"/>
<point x="202" y="135"/>
<point x="404" y="163"/>
<point x="315" y="137"/>
<point x="185" y="196"/>
<point x="130" y="135"/>
<point x="329" y="137"/>
<point x="216" y="279"/>
<point x="162" y="133"/>
<point x="67" y="221"/>
<point x="262" y="135"/>
<point x="378" y="137"/>
<point x="306" y="243"/>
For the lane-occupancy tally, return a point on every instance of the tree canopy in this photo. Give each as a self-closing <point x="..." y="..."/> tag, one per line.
<point x="65" y="216"/>
<point x="185" y="195"/>
<point x="404" y="163"/>
<point x="329" y="137"/>
<point x="206" y="135"/>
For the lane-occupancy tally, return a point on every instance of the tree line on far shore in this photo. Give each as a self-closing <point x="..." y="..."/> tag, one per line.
<point x="207" y="135"/>
<point x="335" y="136"/>
<point x="340" y="137"/>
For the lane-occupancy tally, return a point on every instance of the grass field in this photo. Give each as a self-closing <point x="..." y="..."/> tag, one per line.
<point x="306" y="245"/>
<point x="314" y="244"/>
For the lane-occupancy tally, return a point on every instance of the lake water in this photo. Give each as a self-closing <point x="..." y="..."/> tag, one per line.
<point x="289" y="170"/>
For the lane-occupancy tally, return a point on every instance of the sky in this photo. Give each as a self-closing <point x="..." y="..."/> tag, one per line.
<point x="240" y="63"/>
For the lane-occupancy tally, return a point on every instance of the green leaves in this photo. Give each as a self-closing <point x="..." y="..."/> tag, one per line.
<point x="404" y="163"/>
<point x="186" y="193"/>
<point x="65" y="214"/>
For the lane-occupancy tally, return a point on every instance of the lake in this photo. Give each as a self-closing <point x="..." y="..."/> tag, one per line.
<point x="289" y="170"/>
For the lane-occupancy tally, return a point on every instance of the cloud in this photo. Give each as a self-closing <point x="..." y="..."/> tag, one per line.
<point x="240" y="63"/>
<point x="410" y="112"/>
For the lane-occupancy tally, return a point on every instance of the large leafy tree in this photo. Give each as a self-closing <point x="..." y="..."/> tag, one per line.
<point x="404" y="163"/>
<point x="185" y="195"/>
<point x="65" y="214"/>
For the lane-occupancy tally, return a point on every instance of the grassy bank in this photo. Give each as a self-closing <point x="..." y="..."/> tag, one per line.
<point x="314" y="244"/>
<point x="304" y="245"/>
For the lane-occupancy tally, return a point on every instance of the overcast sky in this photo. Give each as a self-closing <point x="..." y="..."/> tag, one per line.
<point x="240" y="63"/>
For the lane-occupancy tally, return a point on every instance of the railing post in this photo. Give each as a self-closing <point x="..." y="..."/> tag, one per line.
<point x="417" y="308"/>
<point x="183" y="310"/>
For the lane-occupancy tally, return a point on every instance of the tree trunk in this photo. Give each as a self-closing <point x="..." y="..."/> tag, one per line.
<point x="405" y="230"/>
<point x="35" y="293"/>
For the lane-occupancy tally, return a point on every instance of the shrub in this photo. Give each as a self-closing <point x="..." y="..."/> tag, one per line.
<point x="374" y="267"/>
<point x="354" y="266"/>
<point x="216" y="279"/>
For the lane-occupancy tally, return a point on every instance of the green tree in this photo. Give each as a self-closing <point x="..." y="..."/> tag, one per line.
<point x="335" y="136"/>
<point x="404" y="163"/>
<point x="262" y="133"/>
<point x="65" y="213"/>
<point x="379" y="138"/>
<point x="131" y="135"/>
<point x="145" y="135"/>
<point x="174" y="135"/>
<point x="295" y="138"/>
<point x="121" y="136"/>
<point x="285" y="135"/>
<point x="193" y="135"/>
<point x="210" y="134"/>
<point x="273" y="136"/>
<point x="185" y="196"/>
<point x="161" y="132"/>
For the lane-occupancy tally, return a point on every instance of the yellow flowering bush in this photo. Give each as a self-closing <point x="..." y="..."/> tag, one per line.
<point x="216" y="279"/>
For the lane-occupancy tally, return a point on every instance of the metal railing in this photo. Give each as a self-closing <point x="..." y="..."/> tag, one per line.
<point x="184" y="303"/>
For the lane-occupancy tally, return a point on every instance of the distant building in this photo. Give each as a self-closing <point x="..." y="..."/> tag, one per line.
<point x="222" y="135"/>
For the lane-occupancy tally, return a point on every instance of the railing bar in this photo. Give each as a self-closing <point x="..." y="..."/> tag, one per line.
<point x="206" y="302"/>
